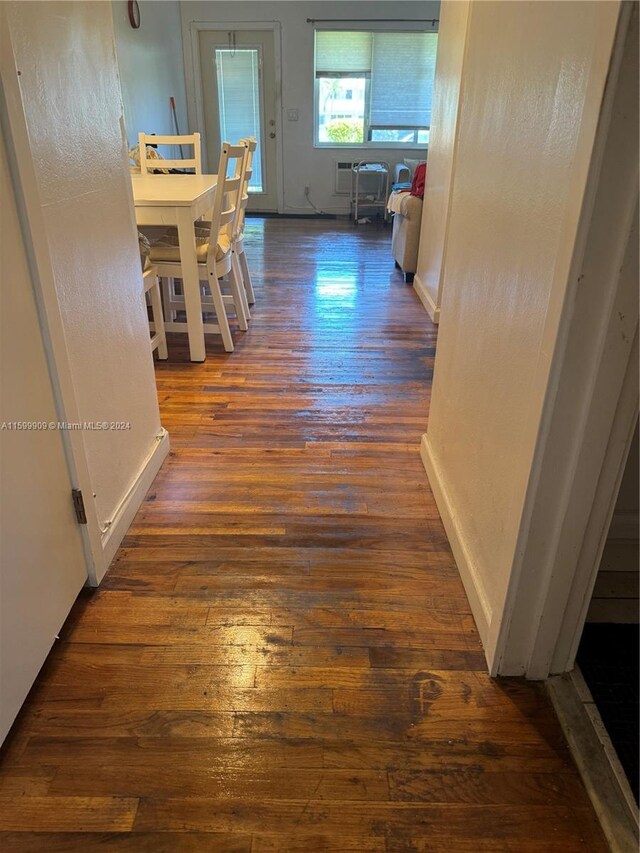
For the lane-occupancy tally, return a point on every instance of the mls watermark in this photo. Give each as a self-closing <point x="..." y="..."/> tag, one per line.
<point x="43" y="426"/>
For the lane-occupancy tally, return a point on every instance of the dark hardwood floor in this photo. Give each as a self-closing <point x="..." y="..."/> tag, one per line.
<point x="282" y="656"/>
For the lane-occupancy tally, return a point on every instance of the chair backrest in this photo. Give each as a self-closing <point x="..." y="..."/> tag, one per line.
<point x="227" y="197"/>
<point x="250" y="146"/>
<point x="148" y="164"/>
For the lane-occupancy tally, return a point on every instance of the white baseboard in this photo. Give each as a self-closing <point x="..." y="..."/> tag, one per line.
<point x="310" y="211"/>
<point x="425" y="297"/>
<point x="130" y="504"/>
<point x="473" y="585"/>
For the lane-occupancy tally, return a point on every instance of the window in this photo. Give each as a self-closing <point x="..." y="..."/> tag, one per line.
<point x="238" y="76"/>
<point x="374" y="88"/>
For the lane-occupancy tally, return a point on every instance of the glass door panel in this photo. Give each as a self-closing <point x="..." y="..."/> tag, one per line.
<point x="240" y="102"/>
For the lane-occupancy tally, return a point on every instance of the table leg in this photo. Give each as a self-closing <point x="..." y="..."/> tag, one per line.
<point x="191" y="283"/>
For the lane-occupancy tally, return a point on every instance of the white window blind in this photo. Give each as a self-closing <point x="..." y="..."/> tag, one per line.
<point x="401" y="67"/>
<point x="402" y="75"/>
<point x="341" y="54"/>
<point x="238" y="77"/>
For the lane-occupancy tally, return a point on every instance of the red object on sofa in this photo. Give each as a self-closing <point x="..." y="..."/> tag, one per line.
<point x="419" y="180"/>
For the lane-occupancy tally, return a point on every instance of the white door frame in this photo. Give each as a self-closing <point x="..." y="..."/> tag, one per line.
<point x="195" y="97"/>
<point x="592" y="401"/>
<point x="599" y="523"/>
<point x="28" y="200"/>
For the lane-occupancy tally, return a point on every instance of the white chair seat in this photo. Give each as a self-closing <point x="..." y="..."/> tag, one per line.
<point x="168" y="247"/>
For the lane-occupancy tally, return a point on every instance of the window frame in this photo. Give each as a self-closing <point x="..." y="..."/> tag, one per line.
<point x="415" y="129"/>
<point x="367" y="143"/>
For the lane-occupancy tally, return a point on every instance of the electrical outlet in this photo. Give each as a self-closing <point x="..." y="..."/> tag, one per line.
<point x="307" y="189"/>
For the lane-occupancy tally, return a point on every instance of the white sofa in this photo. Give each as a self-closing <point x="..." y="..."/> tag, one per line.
<point x="407" y="216"/>
<point x="406" y="232"/>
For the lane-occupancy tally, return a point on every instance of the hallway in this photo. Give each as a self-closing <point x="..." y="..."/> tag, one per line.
<point x="282" y="656"/>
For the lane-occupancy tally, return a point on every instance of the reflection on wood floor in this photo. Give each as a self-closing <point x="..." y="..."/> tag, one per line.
<point x="282" y="656"/>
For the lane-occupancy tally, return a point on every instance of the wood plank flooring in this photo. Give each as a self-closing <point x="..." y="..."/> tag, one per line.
<point x="282" y="656"/>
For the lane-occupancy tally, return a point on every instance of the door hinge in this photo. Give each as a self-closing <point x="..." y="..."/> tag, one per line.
<point x="78" y="505"/>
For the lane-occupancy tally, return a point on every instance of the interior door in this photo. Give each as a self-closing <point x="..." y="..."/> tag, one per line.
<point x="239" y="95"/>
<point x="42" y="563"/>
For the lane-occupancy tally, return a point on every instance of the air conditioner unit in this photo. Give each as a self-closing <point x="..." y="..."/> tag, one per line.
<point x="368" y="183"/>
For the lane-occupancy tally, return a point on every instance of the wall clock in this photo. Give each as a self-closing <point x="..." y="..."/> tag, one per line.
<point x="133" y="11"/>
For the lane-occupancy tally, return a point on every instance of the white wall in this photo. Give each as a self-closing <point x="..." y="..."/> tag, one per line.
<point x="534" y="75"/>
<point x="80" y="194"/>
<point x="452" y="38"/>
<point x="151" y="67"/>
<point x="42" y="563"/>
<point x="302" y="163"/>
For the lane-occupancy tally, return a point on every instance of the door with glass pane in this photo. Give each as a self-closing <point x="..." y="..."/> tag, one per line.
<point x="239" y="95"/>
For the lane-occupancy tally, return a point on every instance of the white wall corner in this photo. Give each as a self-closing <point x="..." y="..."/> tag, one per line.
<point x="432" y="309"/>
<point x="471" y="579"/>
<point x="132" y="500"/>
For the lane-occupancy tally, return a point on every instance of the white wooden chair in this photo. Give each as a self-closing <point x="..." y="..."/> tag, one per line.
<point x="238" y="231"/>
<point x="153" y="164"/>
<point x="152" y="287"/>
<point x="173" y="301"/>
<point x="215" y="257"/>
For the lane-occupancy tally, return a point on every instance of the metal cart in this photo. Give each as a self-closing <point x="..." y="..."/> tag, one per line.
<point x="373" y="197"/>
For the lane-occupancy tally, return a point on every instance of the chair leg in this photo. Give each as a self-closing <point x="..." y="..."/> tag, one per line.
<point x="239" y="296"/>
<point x="246" y="277"/>
<point x="167" y="289"/>
<point x="158" y="320"/>
<point x="221" y="314"/>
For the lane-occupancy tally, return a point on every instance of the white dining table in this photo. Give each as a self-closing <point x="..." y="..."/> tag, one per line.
<point x="179" y="200"/>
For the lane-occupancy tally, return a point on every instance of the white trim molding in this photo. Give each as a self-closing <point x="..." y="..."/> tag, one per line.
<point x="471" y="578"/>
<point x="424" y="296"/>
<point x="130" y="503"/>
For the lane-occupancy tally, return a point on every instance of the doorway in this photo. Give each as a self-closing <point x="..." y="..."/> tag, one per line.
<point x="608" y="651"/>
<point x="238" y="72"/>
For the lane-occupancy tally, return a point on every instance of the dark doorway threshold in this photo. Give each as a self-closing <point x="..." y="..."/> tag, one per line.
<point x="609" y="661"/>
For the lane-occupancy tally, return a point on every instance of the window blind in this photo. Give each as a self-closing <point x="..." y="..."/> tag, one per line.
<point x="340" y="54"/>
<point x="238" y="78"/>
<point x="402" y="74"/>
